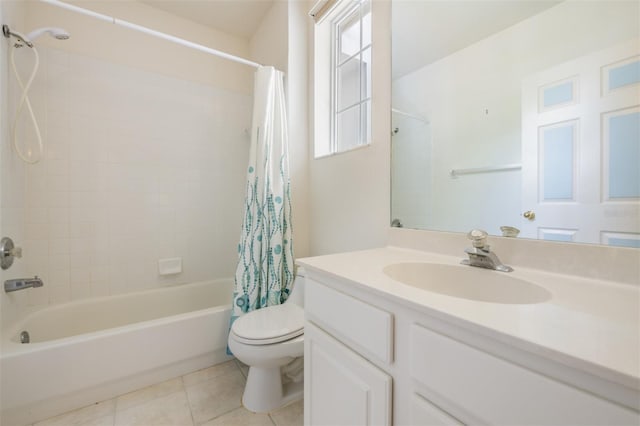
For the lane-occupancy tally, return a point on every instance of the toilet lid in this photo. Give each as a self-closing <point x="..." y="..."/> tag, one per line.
<point x="270" y="325"/>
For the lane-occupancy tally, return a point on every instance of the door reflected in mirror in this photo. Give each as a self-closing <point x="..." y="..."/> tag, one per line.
<point x="520" y="115"/>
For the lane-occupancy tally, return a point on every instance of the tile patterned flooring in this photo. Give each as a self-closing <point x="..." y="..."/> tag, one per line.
<point x="203" y="398"/>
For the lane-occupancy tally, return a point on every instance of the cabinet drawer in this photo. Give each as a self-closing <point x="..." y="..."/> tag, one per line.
<point x="367" y="328"/>
<point x="496" y="391"/>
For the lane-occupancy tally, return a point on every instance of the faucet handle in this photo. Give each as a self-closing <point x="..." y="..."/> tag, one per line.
<point x="16" y="252"/>
<point x="478" y="237"/>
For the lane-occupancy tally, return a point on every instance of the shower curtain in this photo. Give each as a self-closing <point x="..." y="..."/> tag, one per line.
<point x="264" y="273"/>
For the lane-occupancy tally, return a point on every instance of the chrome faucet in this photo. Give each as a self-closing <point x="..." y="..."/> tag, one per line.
<point x="480" y="254"/>
<point x="22" y="283"/>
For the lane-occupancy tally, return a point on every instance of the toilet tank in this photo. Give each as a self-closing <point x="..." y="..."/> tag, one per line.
<point x="297" y="292"/>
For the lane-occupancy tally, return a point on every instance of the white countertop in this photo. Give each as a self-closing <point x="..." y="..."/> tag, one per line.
<point x="592" y="325"/>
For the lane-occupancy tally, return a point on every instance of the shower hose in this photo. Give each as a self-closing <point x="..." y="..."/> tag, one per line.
<point x="24" y="100"/>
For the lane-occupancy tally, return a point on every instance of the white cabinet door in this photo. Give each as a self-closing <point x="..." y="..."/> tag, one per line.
<point x="341" y="387"/>
<point x="424" y="413"/>
<point x="581" y="148"/>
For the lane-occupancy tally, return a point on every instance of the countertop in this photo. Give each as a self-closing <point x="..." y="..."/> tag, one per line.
<point x="592" y="325"/>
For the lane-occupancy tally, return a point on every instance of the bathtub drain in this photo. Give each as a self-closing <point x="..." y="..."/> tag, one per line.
<point x="24" y="337"/>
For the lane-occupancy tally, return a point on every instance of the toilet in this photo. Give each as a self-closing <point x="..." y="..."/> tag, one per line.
<point x="271" y="342"/>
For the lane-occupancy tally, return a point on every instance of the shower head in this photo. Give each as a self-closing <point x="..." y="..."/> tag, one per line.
<point x="54" y="32"/>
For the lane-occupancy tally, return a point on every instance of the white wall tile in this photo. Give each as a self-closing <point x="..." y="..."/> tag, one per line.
<point x="59" y="246"/>
<point x="58" y="261"/>
<point x="59" y="294"/>
<point x="38" y="296"/>
<point x="59" y="279"/>
<point x="137" y="167"/>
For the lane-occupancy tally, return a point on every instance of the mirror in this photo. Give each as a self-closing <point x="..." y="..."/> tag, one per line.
<point x="517" y="117"/>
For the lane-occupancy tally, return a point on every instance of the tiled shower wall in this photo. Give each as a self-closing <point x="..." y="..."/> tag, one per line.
<point x="137" y="167"/>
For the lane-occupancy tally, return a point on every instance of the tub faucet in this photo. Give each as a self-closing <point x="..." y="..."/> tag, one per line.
<point x="22" y="283"/>
<point x="480" y="254"/>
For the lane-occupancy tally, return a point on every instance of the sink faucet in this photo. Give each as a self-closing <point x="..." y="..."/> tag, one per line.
<point x="480" y="254"/>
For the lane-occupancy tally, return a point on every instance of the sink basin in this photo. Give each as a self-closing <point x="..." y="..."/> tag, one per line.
<point x="467" y="282"/>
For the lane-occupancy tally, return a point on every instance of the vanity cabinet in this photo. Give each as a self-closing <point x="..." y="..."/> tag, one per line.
<point x="341" y="386"/>
<point x="491" y="390"/>
<point x="424" y="412"/>
<point x="359" y="344"/>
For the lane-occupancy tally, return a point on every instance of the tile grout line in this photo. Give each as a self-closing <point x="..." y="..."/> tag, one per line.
<point x="137" y="404"/>
<point x="115" y="408"/>
<point x="186" y="396"/>
<point x="115" y="411"/>
<point x="221" y="414"/>
<point x="272" y="420"/>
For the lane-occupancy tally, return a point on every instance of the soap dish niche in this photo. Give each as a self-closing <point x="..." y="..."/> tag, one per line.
<point x="170" y="266"/>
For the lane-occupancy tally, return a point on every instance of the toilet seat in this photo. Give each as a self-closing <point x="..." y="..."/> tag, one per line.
<point x="269" y="325"/>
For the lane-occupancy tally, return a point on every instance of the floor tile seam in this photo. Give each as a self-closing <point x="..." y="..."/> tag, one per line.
<point x="117" y="410"/>
<point x="205" y="380"/>
<point x="190" y="403"/>
<point x="237" y="363"/>
<point x="89" y="418"/>
<point x="184" y="388"/>
<point x="211" y="379"/>
<point x="219" y="415"/>
<point x="188" y="406"/>
<point x="273" y="421"/>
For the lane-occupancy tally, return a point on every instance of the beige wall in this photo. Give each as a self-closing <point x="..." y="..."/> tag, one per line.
<point x="120" y="45"/>
<point x="349" y="192"/>
<point x="268" y="45"/>
<point x="299" y="142"/>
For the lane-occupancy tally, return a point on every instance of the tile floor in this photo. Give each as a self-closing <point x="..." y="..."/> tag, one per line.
<point x="204" y="398"/>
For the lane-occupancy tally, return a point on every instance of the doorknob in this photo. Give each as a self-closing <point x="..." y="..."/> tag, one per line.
<point x="530" y="215"/>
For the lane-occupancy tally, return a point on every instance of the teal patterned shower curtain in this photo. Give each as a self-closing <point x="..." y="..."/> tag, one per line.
<point x="264" y="273"/>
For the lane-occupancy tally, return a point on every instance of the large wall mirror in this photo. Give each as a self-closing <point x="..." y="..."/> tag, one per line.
<point x="517" y="117"/>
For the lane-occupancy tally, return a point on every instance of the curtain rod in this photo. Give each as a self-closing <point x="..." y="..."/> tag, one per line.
<point x="151" y="32"/>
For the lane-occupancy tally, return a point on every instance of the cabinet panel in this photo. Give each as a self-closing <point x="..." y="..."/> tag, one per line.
<point x="370" y="328"/>
<point x="499" y="392"/>
<point x="423" y="412"/>
<point x="341" y="387"/>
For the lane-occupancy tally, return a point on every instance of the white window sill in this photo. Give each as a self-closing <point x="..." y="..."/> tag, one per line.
<point x="333" y="154"/>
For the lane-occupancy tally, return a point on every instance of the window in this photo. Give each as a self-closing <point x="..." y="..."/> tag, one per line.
<point x="343" y="78"/>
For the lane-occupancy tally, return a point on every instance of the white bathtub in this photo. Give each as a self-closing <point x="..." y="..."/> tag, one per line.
<point x="87" y="351"/>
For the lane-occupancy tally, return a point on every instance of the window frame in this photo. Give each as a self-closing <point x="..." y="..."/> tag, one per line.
<point x="344" y="10"/>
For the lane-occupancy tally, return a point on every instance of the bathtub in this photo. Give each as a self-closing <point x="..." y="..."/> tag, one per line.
<point x="88" y="351"/>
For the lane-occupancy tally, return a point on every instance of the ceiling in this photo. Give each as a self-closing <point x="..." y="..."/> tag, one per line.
<point x="236" y="17"/>
<point x="423" y="30"/>
<point x="427" y="30"/>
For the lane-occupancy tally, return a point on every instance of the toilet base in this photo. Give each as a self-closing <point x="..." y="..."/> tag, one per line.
<point x="265" y="392"/>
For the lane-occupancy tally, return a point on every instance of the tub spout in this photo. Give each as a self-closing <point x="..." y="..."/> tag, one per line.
<point x="22" y="283"/>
